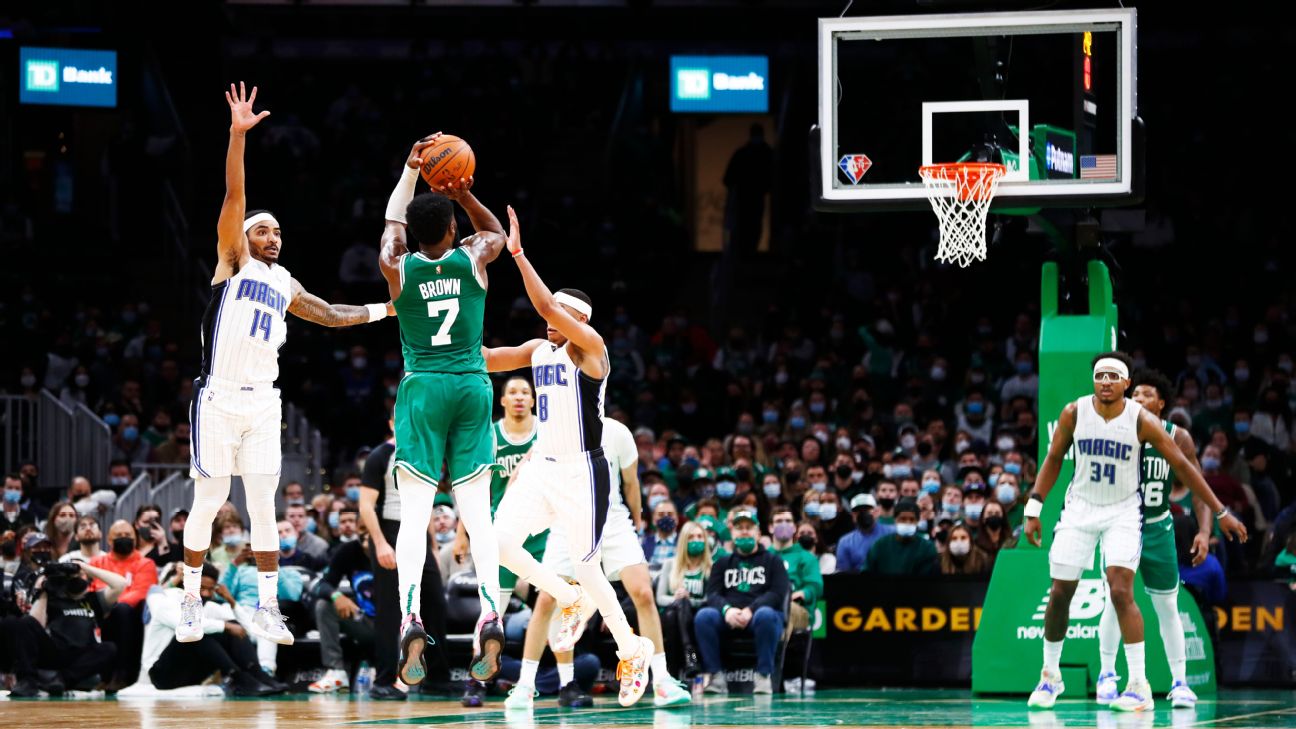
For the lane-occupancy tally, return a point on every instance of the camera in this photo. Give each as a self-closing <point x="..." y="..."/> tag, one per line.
<point x="64" y="580"/>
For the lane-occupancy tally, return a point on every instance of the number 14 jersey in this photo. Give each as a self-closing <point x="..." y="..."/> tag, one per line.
<point x="243" y="327"/>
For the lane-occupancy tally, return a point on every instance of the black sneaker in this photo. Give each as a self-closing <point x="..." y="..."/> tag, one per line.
<point x="691" y="663"/>
<point x="265" y="679"/>
<point x="412" y="669"/>
<point x="242" y="683"/>
<point x="386" y="693"/>
<point x="490" y="646"/>
<point x="474" y="694"/>
<point x="573" y="696"/>
<point x="26" y="688"/>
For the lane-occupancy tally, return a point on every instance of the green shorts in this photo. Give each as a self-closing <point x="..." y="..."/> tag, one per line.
<point x="535" y="545"/>
<point x="1159" y="562"/>
<point x="444" y="420"/>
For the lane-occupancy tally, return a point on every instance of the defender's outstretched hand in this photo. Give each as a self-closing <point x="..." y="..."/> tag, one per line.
<point x="515" y="232"/>
<point x="242" y="118"/>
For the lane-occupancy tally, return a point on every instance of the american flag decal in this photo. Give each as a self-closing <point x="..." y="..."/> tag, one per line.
<point x="1098" y="167"/>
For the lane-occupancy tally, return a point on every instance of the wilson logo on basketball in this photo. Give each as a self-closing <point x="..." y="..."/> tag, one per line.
<point x="433" y="160"/>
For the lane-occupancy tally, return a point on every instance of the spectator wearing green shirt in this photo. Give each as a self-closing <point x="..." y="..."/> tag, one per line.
<point x="905" y="552"/>
<point x="802" y="568"/>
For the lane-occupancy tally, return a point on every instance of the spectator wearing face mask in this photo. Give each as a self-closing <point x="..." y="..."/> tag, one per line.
<point x="1271" y="421"/>
<point x="175" y="449"/>
<point x="995" y="532"/>
<point x="886" y="494"/>
<point x="961" y="556"/>
<point x="951" y="503"/>
<point x="772" y="487"/>
<point x="974" y="501"/>
<point x="229" y="531"/>
<point x="123" y="625"/>
<point x="905" y="552"/>
<point x="119" y="474"/>
<point x="61" y="528"/>
<point x="307" y="540"/>
<point x="806" y="581"/>
<point x="704" y="489"/>
<point x="909" y="488"/>
<point x="14" y="516"/>
<point x="153" y="542"/>
<point x="907" y="438"/>
<point x="88" y="539"/>
<point x="726" y="489"/>
<point x="1008" y="492"/>
<point x="660" y="543"/>
<point x="1024" y="382"/>
<point x="931" y="483"/>
<point x="853" y="548"/>
<point x="289" y="554"/>
<point x="975" y="416"/>
<point x="745" y="592"/>
<point x="681" y="591"/>
<point x="808" y="537"/>
<point x="835" y="521"/>
<point x="128" y="443"/>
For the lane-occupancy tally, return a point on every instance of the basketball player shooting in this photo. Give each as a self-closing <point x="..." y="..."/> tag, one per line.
<point x="443" y="405"/>
<point x="1104" y="506"/>
<point x="568" y="477"/>
<point x="236" y="413"/>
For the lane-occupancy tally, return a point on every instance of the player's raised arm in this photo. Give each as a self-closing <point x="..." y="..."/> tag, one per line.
<point x="507" y="359"/>
<point x="1048" y="472"/>
<point x="394" y="244"/>
<point x="312" y="308"/>
<point x="1150" y="431"/>
<point x="231" y="245"/>
<point x="581" y="334"/>
<point x="486" y="244"/>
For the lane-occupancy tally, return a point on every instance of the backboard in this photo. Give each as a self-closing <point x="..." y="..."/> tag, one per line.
<point x="1051" y="95"/>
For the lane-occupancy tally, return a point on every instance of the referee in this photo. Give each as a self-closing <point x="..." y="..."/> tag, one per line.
<point x="380" y="510"/>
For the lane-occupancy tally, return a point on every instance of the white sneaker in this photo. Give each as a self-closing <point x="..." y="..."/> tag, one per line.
<point x="571" y="622"/>
<point x="1181" y="696"/>
<point x="190" y="627"/>
<point x="761" y="684"/>
<point x="1137" y="697"/>
<point x="268" y="624"/>
<point x="1108" y="689"/>
<point x="669" y="692"/>
<point x="633" y="673"/>
<point x="1047" y="692"/>
<point x="521" y="698"/>
<point x="334" y="679"/>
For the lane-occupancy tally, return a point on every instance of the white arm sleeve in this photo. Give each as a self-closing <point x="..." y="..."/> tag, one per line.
<point x="401" y="196"/>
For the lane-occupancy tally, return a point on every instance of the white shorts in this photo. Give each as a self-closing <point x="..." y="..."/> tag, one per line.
<point x="235" y="429"/>
<point x="1118" y="528"/>
<point x="620" y="549"/>
<point x="552" y="491"/>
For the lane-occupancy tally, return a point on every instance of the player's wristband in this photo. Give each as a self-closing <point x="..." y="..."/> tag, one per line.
<point x="519" y="252"/>
<point x="1033" y="507"/>
<point x="376" y="311"/>
<point x="1221" y="513"/>
<point x="334" y="597"/>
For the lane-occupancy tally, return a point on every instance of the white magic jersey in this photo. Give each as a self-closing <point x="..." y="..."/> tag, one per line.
<point x="1107" y="454"/>
<point x="243" y="327"/>
<point x="569" y="404"/>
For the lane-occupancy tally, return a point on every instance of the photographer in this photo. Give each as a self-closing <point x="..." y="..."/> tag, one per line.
<point x="60" y="632"/>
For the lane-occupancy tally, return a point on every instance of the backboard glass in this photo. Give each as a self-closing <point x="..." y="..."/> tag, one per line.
<point x="1051" y="95"/>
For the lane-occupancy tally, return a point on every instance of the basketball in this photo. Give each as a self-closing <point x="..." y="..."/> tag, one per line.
<point x="447" y="161"/>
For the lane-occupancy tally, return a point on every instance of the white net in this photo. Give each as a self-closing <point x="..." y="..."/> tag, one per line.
<point x="961" y="195"/>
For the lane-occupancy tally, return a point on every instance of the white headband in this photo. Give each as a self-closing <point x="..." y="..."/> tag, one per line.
<point x="1110" y="364"/>
<point x="575" y="303"/>
<point x="253" y="221"/>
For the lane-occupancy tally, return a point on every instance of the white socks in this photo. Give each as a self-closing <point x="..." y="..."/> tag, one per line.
<point x="660" y="672"/>
<point x="566" y="673"/>
<point x="1109" y="637"/>
<point x="472" y="501"/>
<point x="1134" y="659"/>
<point x="528" y="673"/>
<point x="267" y="587"/>
<point x="193" y="580"/>
<point x="1172" y="633"/>
<point x="417" y="501"/>
<point x="1053" y="656"/>
<point x="210" y="494"/>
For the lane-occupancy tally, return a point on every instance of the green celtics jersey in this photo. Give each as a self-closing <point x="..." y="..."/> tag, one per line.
<point x="1157" y="479"/>
<point x="440" y="310"/>
<point x="508" y="454"/>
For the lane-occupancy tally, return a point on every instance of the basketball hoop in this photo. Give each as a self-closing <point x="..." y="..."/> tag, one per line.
<point x="960" y="193"/>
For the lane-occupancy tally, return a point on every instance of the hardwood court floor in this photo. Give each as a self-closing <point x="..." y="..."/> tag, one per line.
<point x="836" y="708"/>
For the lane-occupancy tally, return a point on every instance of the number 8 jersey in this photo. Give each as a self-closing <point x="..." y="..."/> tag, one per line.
<point x="440" y="309"/>
<point x="243" y="327"/>
<point x="1107" y="453"/>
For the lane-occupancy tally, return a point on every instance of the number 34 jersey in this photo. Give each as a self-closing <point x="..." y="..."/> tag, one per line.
<point x="244" y="327"/>
<point x="440" y="310"/>
<point x="1108" y="454"/>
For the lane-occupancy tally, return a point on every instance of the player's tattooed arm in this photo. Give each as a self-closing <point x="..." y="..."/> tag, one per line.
<point x="312" y="308"/>
<point x="389" y="257"/>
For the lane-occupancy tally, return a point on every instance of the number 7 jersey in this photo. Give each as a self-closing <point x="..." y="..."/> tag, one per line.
<point x="440" y="310"/>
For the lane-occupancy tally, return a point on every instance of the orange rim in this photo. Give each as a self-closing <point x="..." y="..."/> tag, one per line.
<point x="966" y="177"/>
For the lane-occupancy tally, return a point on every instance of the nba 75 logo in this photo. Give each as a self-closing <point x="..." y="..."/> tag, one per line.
<point x="855" y="165"/>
